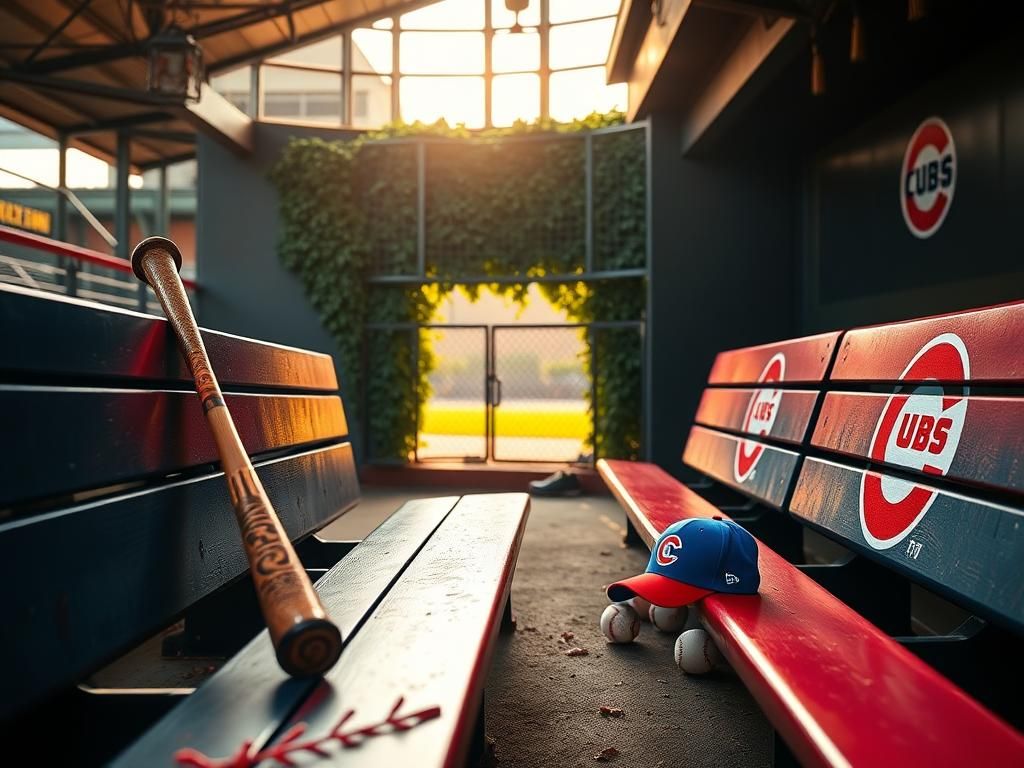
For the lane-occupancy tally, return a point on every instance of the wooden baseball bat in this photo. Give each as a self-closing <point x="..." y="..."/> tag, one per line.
<point x="307" y="643"/>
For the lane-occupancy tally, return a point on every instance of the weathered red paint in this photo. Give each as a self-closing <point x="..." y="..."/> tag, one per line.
<point x="807" y="360"/>
<point x="989" y="449"/>
<point x="993" y="338"/>
<point x="714" y="453"/>
<point x="727" y="409"/>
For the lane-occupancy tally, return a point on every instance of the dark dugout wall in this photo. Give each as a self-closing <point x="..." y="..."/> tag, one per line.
<point x="863" y="262"/>
<point x="723" y="271"/>
<point x="785" y="218"/>
<point x="245" y="288"/>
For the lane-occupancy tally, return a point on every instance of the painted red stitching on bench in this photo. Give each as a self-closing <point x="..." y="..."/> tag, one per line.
<point x="289" y="745"/>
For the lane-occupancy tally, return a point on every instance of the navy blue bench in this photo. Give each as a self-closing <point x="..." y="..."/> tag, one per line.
<point x="115" y="524"/>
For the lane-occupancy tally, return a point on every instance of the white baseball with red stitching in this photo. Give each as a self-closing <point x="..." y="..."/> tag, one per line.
<point x="620" y="623"/>
<point x="641" y="606"/>
<point x="668" y="619"/>
<point x="696" y="653"/>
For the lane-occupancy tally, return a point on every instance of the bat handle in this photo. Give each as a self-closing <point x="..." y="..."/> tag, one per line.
<point x="307" y="643"/>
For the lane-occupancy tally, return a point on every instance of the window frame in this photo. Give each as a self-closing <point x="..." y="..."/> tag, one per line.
<point x="346" y="70"/>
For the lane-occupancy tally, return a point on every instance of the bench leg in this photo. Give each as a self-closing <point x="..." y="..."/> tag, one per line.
<point x="477" y="754"/>
<point x="782" y="755"/>
<point x="631" y="537"/>
<point x="219" y="624"/>
<point x="508" y="620"/>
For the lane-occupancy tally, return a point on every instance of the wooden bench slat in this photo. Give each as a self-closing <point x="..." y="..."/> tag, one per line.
<point x="651" y="497"/>
<point x="989" y="451"/>
<point x="839" y="690"/>
<point x="61" y="337"/>
<point x="730" y="409"/>
<point x="95" y="578"/>
<point x="430" y="639"/>
<point x="94" y="438"/>
<point x="250" y="696"/>
<point x="806" y="360"/>
<point x="768" y="469"/>
<point x="991" y="337"/>
<point x="967" y="549"/>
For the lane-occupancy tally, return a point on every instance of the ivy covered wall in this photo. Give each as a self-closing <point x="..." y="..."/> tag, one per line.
<point x="502" y="203"/>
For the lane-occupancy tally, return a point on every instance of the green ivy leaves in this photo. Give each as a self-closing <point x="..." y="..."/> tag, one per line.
<point x="495" y="205"/>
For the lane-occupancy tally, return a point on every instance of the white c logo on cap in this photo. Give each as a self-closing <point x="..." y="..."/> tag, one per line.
<point x="665" y="549"/>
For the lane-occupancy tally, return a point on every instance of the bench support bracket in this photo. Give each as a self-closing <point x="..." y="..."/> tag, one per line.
<point x="875" y="592"/>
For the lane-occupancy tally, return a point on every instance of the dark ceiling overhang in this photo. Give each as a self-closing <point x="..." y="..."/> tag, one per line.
<point x="77" y="68"/>
<point x="696" y="57"/>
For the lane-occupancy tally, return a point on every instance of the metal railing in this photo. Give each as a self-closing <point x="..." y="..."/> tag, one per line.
<point x="50" y="265"/>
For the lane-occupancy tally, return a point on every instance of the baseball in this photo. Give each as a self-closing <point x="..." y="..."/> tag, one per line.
<point x="696" y="653"/>
<point x="620" y="623"/>
<point x="668" y="619"/>
<point x="641" y="606"/>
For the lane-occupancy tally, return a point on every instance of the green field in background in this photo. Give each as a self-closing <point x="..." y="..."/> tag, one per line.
<point x="447" y="420"/>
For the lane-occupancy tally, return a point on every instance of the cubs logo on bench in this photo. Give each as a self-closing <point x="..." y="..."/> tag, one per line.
<point x="920" y="429"/>
<point x="928" y="177"/>
<point x="761" y="414"/>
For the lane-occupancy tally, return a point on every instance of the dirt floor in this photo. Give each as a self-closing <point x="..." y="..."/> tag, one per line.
<point x="543" y="707"/>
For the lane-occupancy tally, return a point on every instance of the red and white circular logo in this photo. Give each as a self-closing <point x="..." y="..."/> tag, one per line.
<point x="761" y="413"/>
<point x="666" y="549"/>
<point x="928" y="177"/>
<point x="920" y="429"/>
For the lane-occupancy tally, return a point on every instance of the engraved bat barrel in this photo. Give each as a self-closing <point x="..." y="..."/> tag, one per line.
<point x="307" y="643"/>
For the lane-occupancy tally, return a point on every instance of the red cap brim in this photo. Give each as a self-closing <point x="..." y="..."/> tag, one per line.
<point x="656" y="589"/>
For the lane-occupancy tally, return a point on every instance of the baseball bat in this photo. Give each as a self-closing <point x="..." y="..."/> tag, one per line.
<point x="306" y="642"/>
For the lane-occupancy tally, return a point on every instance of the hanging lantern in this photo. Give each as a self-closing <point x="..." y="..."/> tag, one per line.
<point x="517" y="7"/>
<point x="858" y="51"/>
<point x="175" y="65"/>
<point x="817" y="69"/>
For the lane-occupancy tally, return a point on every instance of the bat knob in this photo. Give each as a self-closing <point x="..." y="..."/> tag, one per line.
<point x="153" y="244"/>
<point x="309" y="648"/>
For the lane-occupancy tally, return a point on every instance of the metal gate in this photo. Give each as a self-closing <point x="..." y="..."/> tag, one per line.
<point x="504" y="393"/>
<point x="510" y="392"/>
<point x="540" y="393"/>
<point x="454" y="409"/>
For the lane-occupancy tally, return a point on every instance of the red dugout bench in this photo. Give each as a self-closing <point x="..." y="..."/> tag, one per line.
<point x="903" y="443"/>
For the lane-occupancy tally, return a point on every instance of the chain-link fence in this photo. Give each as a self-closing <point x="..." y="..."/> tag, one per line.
<point x="541" y="394"/>
<point x="453" y="396"/>
<point x="534" y="393"/>
<point x="449" y="208"/>
<point x="564" y="208"/>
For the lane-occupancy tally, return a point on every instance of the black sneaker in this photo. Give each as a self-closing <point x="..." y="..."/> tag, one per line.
<point x="561" y="483"/>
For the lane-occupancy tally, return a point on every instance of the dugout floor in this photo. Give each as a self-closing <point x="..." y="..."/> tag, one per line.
<point x="543" y="706"/>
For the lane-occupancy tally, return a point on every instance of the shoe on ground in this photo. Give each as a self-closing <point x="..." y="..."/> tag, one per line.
<point x="561" y="483"/>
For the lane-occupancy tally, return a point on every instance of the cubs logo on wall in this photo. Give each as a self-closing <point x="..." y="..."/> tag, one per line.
<point x="928" y="178"/>
<point x="760" y="418"/>
<point x="920" y="429"/>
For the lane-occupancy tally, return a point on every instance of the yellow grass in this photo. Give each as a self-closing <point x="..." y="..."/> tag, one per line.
<point x="447" y="420"/>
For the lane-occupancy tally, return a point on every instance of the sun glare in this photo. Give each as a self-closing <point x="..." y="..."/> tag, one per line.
<point x="456" y="99"/>
<point x="454" y="60"/>
<point x="433" y="43"/>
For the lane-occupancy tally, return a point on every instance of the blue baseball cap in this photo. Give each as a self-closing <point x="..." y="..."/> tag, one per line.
<point x="693" y="559"/>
